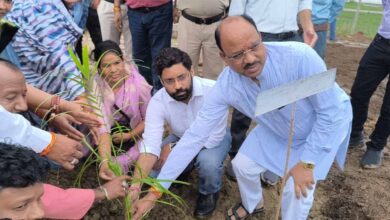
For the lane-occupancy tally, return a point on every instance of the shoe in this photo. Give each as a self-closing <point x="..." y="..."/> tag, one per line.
<point x="372" y="159"/>
<point x="236" y="216"/>
<point x="357" y="141"/>
<point x="205" y="205"/>
<point x="230" y="172"/>
<point x="269" y="178"/>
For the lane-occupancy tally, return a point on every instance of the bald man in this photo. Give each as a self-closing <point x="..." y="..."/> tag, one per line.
<point x="322" y="121"/>
<point x="17" y="130"/>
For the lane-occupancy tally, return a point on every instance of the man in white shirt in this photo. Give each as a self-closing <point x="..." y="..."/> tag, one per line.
<point x="178" y="104"/>
<point x="14" y="129"/>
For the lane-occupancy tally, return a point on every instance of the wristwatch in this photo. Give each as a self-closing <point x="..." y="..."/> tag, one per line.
<point x="308" y="165"/>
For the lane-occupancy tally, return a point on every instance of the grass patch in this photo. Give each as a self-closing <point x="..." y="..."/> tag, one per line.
<point x="367" y="23"/>
<point x="364" y="6"/>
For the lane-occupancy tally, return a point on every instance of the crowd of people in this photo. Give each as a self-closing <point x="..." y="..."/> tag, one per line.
<point x="155" y="113"/>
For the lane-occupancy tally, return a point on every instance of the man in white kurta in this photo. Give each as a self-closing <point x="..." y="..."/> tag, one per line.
<point x="322" y="121"/>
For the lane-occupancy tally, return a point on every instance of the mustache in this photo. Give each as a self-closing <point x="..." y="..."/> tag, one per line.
<point x="180" y="90"/>
<point x="249" y="65"/>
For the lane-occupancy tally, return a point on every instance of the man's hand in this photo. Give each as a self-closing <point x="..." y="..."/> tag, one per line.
<point x="95" y="4"/>
<point x="176" y="15"/>
<point x="105" y="172"/>
<point x="63" y="124"/>
<point x="303" y="179"/>
<point x="118" y="20"/>
<point x="144" y="205"/>
<point x="310" y="36"/>
<point x="163" y="157"/>
<point x="65" y="151"/>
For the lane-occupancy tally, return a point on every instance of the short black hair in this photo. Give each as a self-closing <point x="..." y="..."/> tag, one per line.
<point x="169" y="57"/>
<point x="107" y="46"/>
<point x="217" y="33"/>
<point x="20" y="166"/>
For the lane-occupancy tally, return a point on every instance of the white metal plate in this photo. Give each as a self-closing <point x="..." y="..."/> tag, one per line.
<point x="288" y="93"/>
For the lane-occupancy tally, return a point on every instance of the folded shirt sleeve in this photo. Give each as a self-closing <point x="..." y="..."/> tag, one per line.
<point x="15" y="129"/>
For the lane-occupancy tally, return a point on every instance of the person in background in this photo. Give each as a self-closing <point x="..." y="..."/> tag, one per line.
<point x="334" y="13"/>
<point x="374" y="67"/>
<point x="197" y="25"/>
<point x="107" y="13"/>
<point x="151" y="30"/>
<point x="324" y="12"/>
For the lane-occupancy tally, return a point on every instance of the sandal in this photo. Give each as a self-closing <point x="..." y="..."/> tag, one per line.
<point x="235" y="213"/>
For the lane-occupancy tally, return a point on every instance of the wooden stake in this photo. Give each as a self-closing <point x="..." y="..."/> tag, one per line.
<point x="285" y="175"/>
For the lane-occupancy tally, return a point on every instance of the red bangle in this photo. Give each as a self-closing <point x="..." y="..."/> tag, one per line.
<point x="55" y="104"/>
<point x="49" y="147"/>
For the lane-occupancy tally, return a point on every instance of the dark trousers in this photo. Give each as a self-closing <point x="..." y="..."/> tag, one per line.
<point x="374" y="67"/>
<point x="151" y="32"/>
<point x="93" y="27"/>
<point x="240" y="123"/>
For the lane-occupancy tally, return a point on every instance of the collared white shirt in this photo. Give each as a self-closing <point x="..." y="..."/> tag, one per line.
<point x="15" y="129"/>
<point x="271" y="16"/>
<point x="179" y="116"/>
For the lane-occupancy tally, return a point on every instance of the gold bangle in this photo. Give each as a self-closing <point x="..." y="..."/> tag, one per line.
<point x="155" y="191"/>
<point x="103" y="161"/>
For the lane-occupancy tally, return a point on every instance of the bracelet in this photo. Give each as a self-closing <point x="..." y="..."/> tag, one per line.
<point x="117" y="8"/>
<point x="155" y="191"/>
<point x="55" y="103"/>
<point x="49" y="147"/>
<point x="101" y="162"/>
<point x="104" y="190"/>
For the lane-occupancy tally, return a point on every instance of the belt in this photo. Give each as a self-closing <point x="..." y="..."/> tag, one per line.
<point x="112" y="1"/>
<point x="380" y="38"/>
<point x="321" y="27"/>
<point x="280" y="36"/>
<point x="205" y="21"/>
<point x="149" y="9"/>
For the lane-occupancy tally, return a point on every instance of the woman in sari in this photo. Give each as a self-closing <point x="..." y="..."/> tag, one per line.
<point x="124" y="96"/>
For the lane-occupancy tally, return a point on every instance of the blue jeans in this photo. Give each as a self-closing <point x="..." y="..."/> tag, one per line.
<point x="320" y="46"/>
<point x="150" y="32"/>
<point x="332" y="30"/>
<point x="209" y="164"/>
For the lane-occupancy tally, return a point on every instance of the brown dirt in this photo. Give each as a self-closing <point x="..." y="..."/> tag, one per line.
<point x="352" y="194"/>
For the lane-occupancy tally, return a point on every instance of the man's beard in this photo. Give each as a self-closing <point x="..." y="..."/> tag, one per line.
<point x="182" y="94"/>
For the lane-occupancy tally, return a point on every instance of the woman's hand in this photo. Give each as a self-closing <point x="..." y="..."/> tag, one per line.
<point x="117" y="138"/>
<point x="105" y="172"/>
